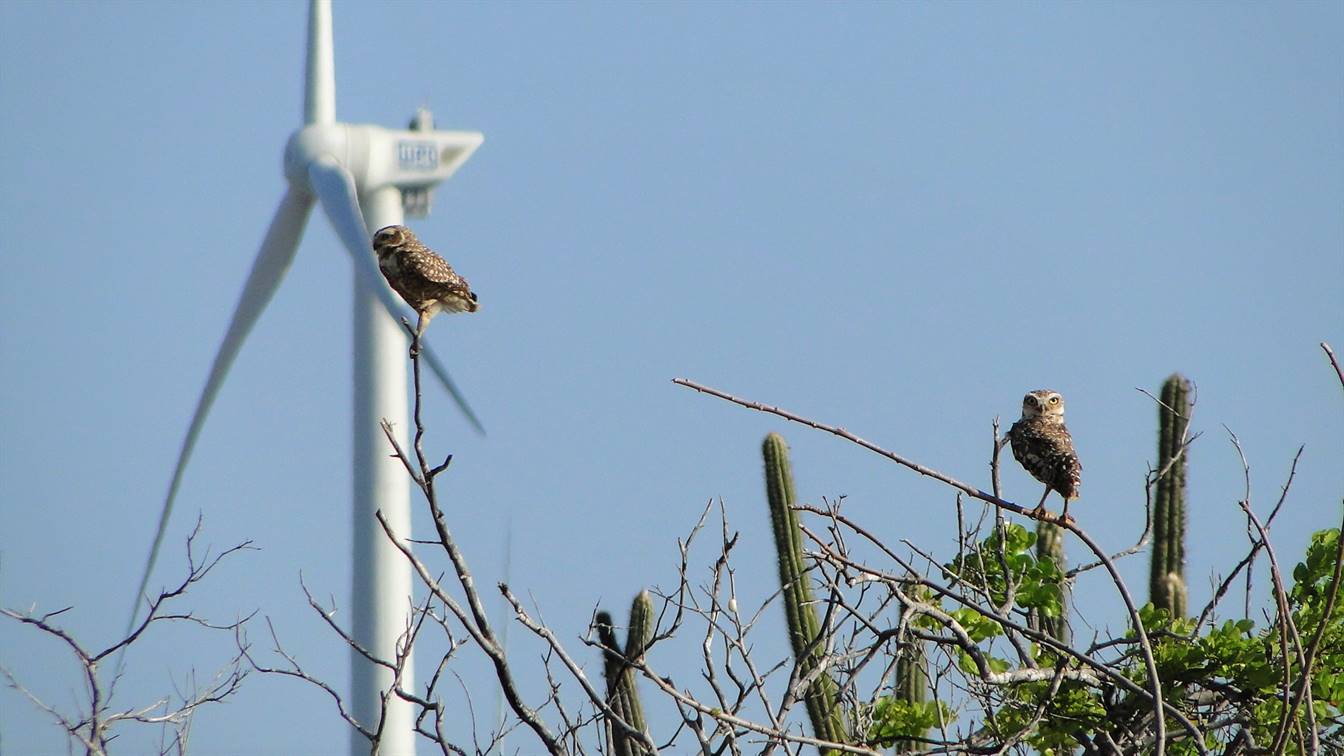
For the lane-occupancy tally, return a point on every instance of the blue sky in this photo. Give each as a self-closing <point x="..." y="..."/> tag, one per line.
<point x="893" y="217"/>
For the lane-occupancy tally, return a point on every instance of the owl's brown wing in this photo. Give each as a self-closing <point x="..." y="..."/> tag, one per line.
<point x="435" y="279"/>
<point x="1068" y="474"/>
<point x="1046" y="451"/>
<point x="432" y="269"/>
<point x="1062" y="462"/>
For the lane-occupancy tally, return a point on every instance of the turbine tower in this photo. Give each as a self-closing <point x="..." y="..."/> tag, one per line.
<point x="365" y="177"/>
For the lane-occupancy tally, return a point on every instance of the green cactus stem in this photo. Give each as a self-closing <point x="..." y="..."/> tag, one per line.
<point x="622" y="693"/>
<point x="823" y="708"/>
<point x="912" y="682"/>
<point x="1166" y="584"/>
<point x="1050" y="545"/>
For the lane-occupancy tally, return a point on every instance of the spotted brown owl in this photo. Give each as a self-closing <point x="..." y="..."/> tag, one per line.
<point x="426" y="281"/>
<point x="1044" y="447"/>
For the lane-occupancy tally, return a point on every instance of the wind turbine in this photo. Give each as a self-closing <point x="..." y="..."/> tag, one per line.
<point x="365" y="177"/>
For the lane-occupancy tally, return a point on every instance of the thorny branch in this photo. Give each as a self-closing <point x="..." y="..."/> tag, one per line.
<point x="966" y="488"/>
<point x="741" y="699"/>
<point x="986" y="609"/>
<point x="94" y="727"/>
<point x="477" y="624"/>
<point x="1154" y="683"/>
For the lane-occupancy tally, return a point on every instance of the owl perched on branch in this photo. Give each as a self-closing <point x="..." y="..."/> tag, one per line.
<point x="426" y="281"/>
<point x="1044" y="447"/>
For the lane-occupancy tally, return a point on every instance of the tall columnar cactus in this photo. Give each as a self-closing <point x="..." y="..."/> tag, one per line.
<point x="823" y="708"/>
<point x="622" y="695"/>
<point x="912" y="680"/>
<point x="1050" y="545"/>
<point x="1166" y="586"/>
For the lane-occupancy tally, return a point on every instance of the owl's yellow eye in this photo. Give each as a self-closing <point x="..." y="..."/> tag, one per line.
<point x="1054" y="400"/>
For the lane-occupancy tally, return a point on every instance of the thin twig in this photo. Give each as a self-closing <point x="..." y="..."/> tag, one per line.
<point x="1303" y="690"/>
<point x="482" y="637"/>
<point x="1042" y="639"/>
<point x="870" y="446"/>
<point x="477" y="624"/>
<point x="1154" y="684"/>
<point x="574" y="669"/>
<point x="1333" y="362"/>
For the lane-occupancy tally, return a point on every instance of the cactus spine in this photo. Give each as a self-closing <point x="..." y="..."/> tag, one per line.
<point x="622" y="695"/>
<point x="1050" y="545"/>
<point x="1166" y="586"/>
<point x="804" y="627"/>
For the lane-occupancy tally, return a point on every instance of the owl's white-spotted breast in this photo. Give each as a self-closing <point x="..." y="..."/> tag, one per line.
<point x="426" y="281"/>
<point x="1044" y="447"/>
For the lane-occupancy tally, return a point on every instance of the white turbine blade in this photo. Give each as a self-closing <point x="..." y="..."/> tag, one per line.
<point x="335" y="187"/>
<point x="319" y="92"/>
<point x="438" y="368"/>
<point x="277" y="252"/>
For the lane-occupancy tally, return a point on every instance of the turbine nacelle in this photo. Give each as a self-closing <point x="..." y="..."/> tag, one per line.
<point x="412" y="160"/>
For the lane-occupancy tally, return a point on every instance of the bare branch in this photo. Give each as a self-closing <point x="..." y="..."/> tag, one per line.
<point x="1330" y="353"/>
<point x="598" y="700"/>
<point x="295" y="670"/>
<point x="480" y="634"/>
<point x="94" y="728"/>
<point x="966" y="488"/>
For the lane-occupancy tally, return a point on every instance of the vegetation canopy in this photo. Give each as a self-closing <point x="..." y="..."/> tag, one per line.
<point x="965" y="646"/>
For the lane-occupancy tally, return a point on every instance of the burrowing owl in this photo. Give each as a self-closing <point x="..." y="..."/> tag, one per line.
<point x="1044" y="447"/>
<point x="426" y="281"/>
